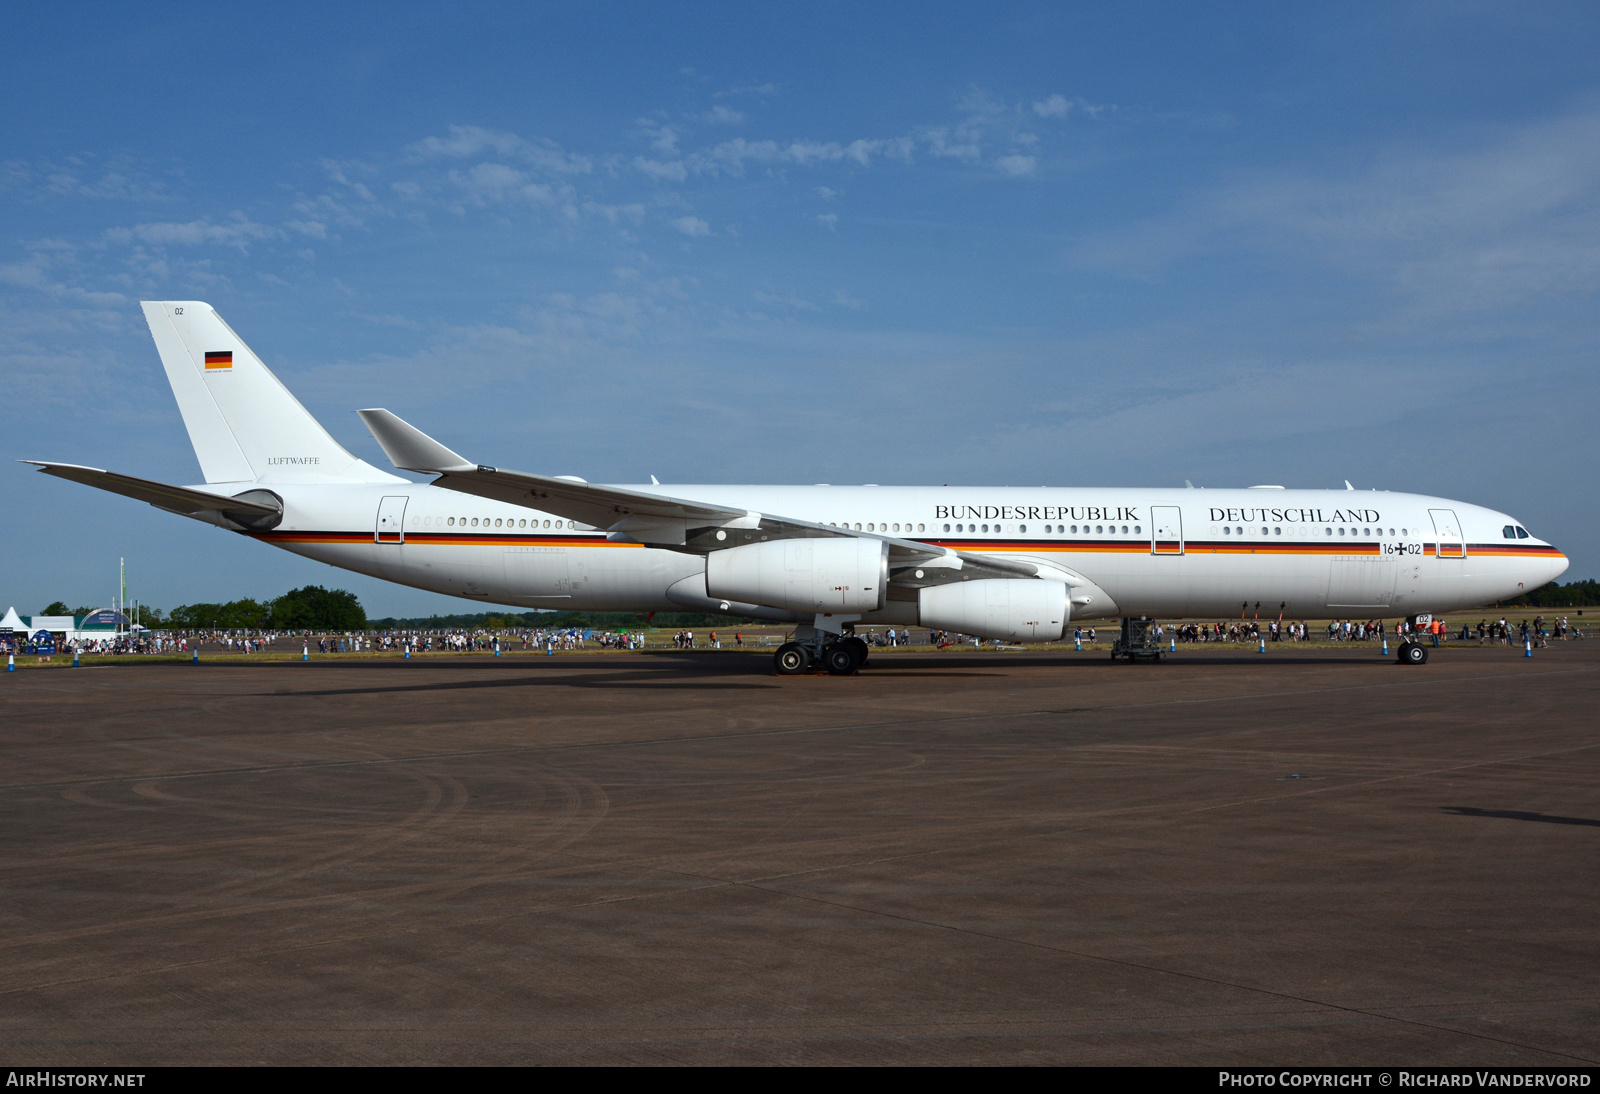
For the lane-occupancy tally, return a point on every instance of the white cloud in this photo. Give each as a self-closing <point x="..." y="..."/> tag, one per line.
<point x="791" y="301"/>
<point x="827" y="193"/>
<point x="663" y="138"/>
<point x="661" y="170"/>
<point x="722" y="115"/>
<point x="632" y="213"/>
<point x="484" y="183"/>
<point x="1015" y="166"/>
<point x="691" y="226"/>
<point x="33" y="275"/>
<point x="950" y="143"/>
<point x="237" y="232"/>
<point x="339" y="172"/>
<point x="829" y="221"/>
<point x="1471" y="231"/>
<point x="1056" y="106"/>
<point x="1059" y="106"/>
<point x="83" y="176"/>
<point x="747" y="89"/>
<point x="467" y="141"/>
<point x="731" y="156"/>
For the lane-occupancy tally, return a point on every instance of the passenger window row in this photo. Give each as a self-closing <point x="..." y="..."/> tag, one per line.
<point x="464" y="522"/>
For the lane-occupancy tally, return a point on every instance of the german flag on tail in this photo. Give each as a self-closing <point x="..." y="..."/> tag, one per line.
<point x="219" y="359"/>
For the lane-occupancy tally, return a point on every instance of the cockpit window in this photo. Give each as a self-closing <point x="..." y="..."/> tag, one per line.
<point x="1522" y="533"/>
<point x="1509" y="532"/>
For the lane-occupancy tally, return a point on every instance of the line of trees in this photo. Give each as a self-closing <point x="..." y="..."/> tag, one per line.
<point x="1574" y="594"/>
<point x="311" y="608"/>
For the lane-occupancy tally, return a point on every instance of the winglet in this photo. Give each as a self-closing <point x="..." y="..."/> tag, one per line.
<point x="409" y="448"/>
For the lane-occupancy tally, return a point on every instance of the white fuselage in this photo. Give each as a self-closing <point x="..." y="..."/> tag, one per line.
<point x="1157" y="553"/>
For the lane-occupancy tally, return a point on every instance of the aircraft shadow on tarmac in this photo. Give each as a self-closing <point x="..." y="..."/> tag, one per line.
<point x="1517" y="814"/>
<point x="678" y="669"/>
<point x="632" y="680"/>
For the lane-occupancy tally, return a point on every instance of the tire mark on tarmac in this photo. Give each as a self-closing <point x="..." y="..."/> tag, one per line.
<point x="653" y="742"/>
<point x="773" y="890"/>
<point x="1158" y="970"/>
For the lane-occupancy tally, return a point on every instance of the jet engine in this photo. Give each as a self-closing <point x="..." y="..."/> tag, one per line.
<point x="805" y="575"/>
<point x="1024" y="610"/>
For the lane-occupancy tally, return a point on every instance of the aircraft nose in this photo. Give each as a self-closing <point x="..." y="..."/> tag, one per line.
<point x="1542" y="571"/>
<point x="1557" y="566"/>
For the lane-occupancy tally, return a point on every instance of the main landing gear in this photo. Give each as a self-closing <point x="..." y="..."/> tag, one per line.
<point x="1413" y="653"/>
<point x="840" y="655"/>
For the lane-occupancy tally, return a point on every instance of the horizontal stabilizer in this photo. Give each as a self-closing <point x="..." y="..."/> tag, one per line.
<point x="408" y="447"/>
<point x="178" y="499"/>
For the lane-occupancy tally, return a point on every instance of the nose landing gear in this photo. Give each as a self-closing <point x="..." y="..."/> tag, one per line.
<point x="1413" y="653"/>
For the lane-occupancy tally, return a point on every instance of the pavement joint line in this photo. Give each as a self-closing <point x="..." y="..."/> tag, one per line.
<point x="656" y="742"/>
<point x="1123" y="962"/>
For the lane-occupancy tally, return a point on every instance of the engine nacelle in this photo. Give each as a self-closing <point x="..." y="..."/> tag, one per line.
<point x="1024" y="610"/>
<point x="835" y="575"/>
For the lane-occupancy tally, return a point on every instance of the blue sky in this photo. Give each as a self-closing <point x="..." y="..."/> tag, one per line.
<point x="1096" y="245"/>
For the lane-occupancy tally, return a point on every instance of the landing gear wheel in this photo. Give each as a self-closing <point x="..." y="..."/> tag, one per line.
<point x="1413" y="653"/>
<point x="860" y="647"/>
<point x="792" y="659"/>
<point x="840" y="659"/>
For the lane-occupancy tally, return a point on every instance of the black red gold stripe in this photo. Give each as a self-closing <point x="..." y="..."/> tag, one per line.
<point x="219" y="358"/>
<point x="1004" y="547"/>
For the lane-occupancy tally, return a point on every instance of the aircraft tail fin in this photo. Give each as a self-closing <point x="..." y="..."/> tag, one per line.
<point x="244" y="424"/>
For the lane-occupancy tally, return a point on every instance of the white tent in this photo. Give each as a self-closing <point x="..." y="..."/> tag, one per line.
<point x="14" y="621"/>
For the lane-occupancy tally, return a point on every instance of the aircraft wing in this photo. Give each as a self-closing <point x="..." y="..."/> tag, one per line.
<point x="659" y="520"/>
<point x="177" y="499"/>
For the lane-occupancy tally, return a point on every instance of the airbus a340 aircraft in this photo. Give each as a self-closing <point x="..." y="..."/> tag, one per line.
<point x="1012" y="563"/>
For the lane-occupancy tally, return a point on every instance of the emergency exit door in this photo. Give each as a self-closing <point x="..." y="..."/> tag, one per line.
<point x="391" y="520"/>
<point x="1166" y="530"/>
<point x="1447" y="532"/>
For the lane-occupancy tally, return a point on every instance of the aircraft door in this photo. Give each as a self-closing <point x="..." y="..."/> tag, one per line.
<point x="1166" y="530"/>
<point x="391" y="521"/>
<point x="1447" y="530"/>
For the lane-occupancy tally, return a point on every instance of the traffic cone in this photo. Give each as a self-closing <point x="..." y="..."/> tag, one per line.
<point x="305" y="650"/>
<point x="1077" y="642"/>
<point x="1263" y="646"/>
<point x="11" y="661"/>
<point x="497" y="647"/>
<point x="408" y="651"/>
<point x="74" y="656"/>
<point x="1386" y="645"/>
<point x="1527" y="647"/>
<point x="1174" y="647"/>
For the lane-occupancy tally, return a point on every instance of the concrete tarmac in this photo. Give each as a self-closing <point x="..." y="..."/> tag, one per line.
<point x="1227" y="858"/>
